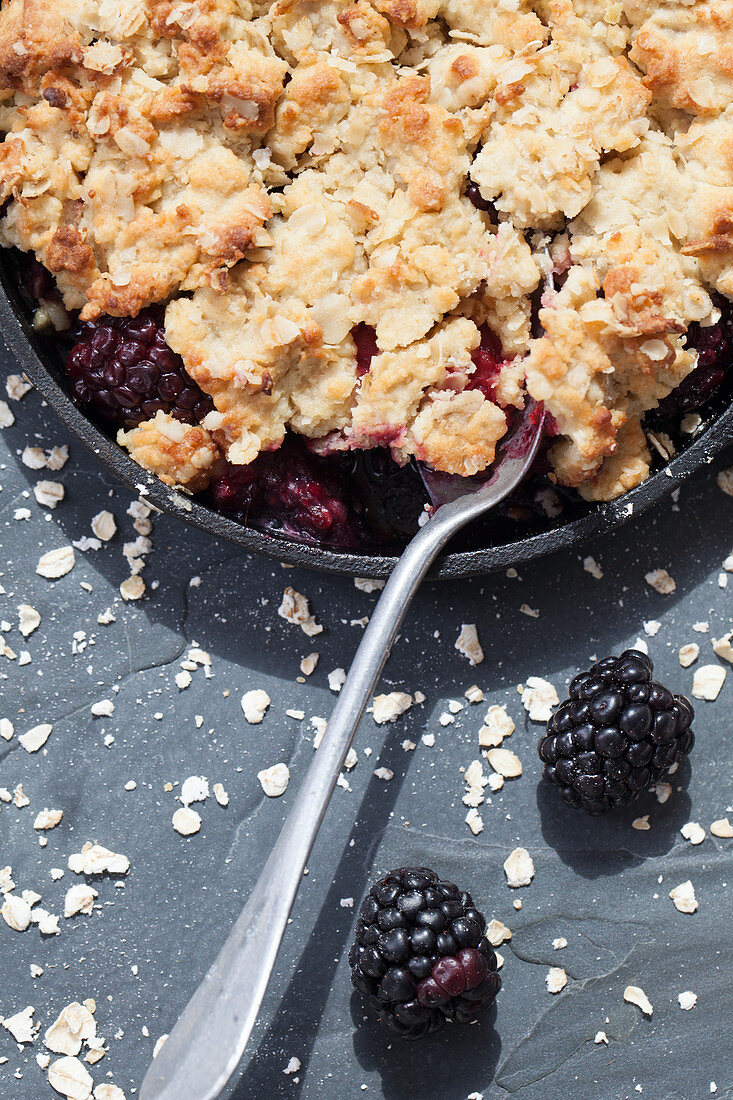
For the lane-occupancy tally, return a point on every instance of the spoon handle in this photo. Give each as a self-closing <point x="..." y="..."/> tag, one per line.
<point x="203" y="1050"/>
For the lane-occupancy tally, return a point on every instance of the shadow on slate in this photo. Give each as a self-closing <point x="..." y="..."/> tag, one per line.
<point x="599" y="844"/>
<point x="301" y="1008"/>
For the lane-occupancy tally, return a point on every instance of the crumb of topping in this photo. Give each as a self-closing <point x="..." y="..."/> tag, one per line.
<point x="683" y="897"/>
<point x="79" y="899"/>
<point x="28" y="619"/>
<point x="661" y="582"/>
<point x="601" y="1037"/>
<point x="641" y="823"/>
<point x="16" y="912"/>
<point x="474" y="694"/>
<point x="725" y="481"/>
<point x="295" y="609"/>
<point x="48" y="819"/>
<point x="21" y="1025"/>
<point x="337" y="679"/>
<point x="96" y="860"/>
<point x="519" y="868"/>
<point x="387" y="708"/>
<point x="538" y="698"/>
<point x="468" y="644"/>
<point x="254" y="705"/>
<point x="636" y="996"/>
<point x="707" y="682"/>
<point x="559" y="943"/>
<point x="17" y="386"/>
<point x="103" y="708"/>
<point x="556" y="979"/>
<point x="56" y="563"/>
<point x="687" y="1000"/>
<point x="474" y="821"/>
<point x="652" y="627"/>
<point x="274" y="781"/>
<point x="497" y="726"/>
<point x="385" y="774"/>
<point x="186" y="821"/>
<point x="194" y="789"/>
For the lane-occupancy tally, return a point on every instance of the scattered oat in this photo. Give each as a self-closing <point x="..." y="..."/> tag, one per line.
<point x="661" y="582"/>
<point x="723" y="647"/>
<point x="220" y="795"/>
<point x="725" y="481"/>
<point x="468" y="644"/>
<point x="497" y="933"/>
<point x="79" y="899"/>
<point x="636" y="996"/>
<point x="687" y="1000"/>
<point x="531" y="612"/>
<point x="641" y="823"/>
<point x="601" y="1037"/>
<point x="133" y="588"/>
<point x="295" y="609"/>
<point x="722" y="828"/>
<point x="308" y="664"/>
<point x="74" y="1026"/>
<point x="69" y="1077"/>
<point x="364" y="584"/>
<point x="7" y="729"/>
<point x="556" y="979"/>
<point x="274" y="781"/>
<point x="93" y="859"/>
<point x="663" y="792"/>
<point x="693" y="832"/>
<point x="21" y="1025"/>
<point x="17" y="386"/>
<point x="337" y="679"/>
<point x="28" y="619"/>
<point x="56" y="563"/>
<point x="652" y="627"/>
<point x="505" y="762"/>
<point x="7" y="418"/>
<point x="183" y="679"/>
<point x="49" y="493"/>
<point x="36" y="738"/>
<point x="254" y="705"/>
<point x="387" y="708"/>
<point x="707" y="682"/>
<point x="474" y="694"/>
<point x="683" y="897"/>
<point x="538" y="698"/>
<point x="103" y="708"/>
<point x="519" y="868"/>
<point x="591" y="566"/>
<point x="688" y="654"/>
<point x="474" y="821"/>
<point x="16" y="912"/>
<point x="48" y="819"/>
<point x="186" y="821"/>
<point x="559" y="943"/>
<point x="385" y="774"/>
<point x="104" y="526"/>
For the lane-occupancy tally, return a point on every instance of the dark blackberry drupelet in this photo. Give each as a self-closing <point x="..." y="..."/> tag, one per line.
<point x="421" y="955"/>
<point x="123" y="369"/>
<point x="617" y="734"/>
<point x="714" y="346"/>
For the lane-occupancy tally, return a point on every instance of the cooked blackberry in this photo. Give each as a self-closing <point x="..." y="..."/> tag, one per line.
<point x="618" y="734"/>
<point x="123" y="369"/>
<point x="420" y="953"/>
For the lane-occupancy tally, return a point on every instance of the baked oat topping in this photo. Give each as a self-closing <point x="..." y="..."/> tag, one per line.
<point x="337" y="208"/>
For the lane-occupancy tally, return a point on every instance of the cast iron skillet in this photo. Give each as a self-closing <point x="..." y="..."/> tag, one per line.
<point x="593" y="520"/>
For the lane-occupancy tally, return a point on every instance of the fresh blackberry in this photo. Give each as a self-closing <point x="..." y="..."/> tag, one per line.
<point x="123" y="369"/>
<point x="617" y="735"/>
<point x="420" y="953"/>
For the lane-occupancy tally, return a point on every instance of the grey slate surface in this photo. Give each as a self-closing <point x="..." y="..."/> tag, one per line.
<point x="601" y="884"/>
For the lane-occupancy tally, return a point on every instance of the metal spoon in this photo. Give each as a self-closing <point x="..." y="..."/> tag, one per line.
<point x="203" y="1050"/>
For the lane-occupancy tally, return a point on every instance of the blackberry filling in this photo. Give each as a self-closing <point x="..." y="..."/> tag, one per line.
<point x="123" y="370"/>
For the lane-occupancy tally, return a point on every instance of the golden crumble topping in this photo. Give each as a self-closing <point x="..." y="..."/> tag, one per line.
<point x="277" y="174"/>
